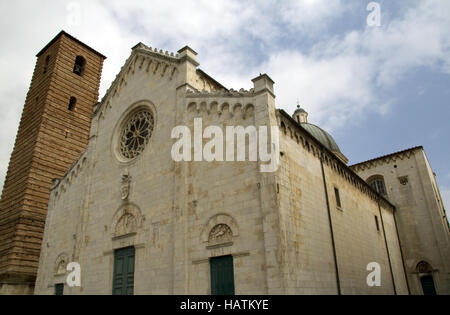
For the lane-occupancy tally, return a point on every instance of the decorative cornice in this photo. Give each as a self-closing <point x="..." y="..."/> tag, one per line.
<point x="190" y="59"/>
<point x="393" y="157"/>
<point x="157" y="53"/>
<point x="239" y="110"/>
<point x="141" y="58"/>
<point x="220" y="93"/>
<point x="72" y="173"/>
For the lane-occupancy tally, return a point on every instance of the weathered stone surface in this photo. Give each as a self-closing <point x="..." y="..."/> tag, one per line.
<point x="422" y="223"/>
<point x="275" y="224"/>
<point x="49" y="140"/>
<point x="279" y="227"/>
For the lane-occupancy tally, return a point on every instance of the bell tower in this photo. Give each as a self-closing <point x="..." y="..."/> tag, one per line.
<point x="53" y="132"/>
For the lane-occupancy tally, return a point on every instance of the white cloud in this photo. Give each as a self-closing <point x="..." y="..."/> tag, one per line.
<point x="217" y="29"/>
<point x="25" y="29"/>
<point x="340" y="80"/>
<point x="322" y="83"/>
<point x="336" y="79"/>
<point x="311" y="16"/>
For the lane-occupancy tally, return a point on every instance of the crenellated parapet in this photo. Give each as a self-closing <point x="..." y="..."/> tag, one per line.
<point x="155" y="51"/>
<point x="220" y="93"/>
<point x="223" y="108"/>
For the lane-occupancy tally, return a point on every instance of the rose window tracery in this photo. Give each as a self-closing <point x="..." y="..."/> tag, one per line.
<point x="136" y="134"/>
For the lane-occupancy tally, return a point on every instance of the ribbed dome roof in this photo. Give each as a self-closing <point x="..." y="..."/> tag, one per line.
<point x="322" y="136"/>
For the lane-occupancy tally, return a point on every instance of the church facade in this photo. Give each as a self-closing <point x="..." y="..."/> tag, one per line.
<point x="137" y="221"/>
<point x="407" y="180"/>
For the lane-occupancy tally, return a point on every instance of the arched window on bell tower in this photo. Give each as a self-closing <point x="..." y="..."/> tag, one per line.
<point x="80" y="64"/>
<point x="47" y="61"/>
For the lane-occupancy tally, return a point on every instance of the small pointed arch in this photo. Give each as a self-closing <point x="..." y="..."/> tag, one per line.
<point x="249" y="109"/>
<point x="192" y="107"/>
<point x="283" y="127"/>
<point x="289" y="132"/>
<point x="79" y="66"/>
<point x="225" y="107"/>
<point x="424" y="267"/>
<point x="214" y="107"/>
<point x="237" y="108"/>
<point x="203" y="107"/>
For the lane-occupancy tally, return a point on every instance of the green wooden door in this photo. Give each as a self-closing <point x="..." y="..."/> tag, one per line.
<point x="123" y="281"/>
<point x="428" y="285"/>
<point x="59" y="289"/>
<point x="222" y="275"/>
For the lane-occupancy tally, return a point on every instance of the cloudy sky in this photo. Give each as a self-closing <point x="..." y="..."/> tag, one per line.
<point x="378" y="90"/>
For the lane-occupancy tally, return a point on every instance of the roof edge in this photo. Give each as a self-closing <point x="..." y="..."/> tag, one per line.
<point x="388" y="155"/>
<point x="72" y="38"/>
<point x="348" y="168"/>
<point x="211" y="78"/>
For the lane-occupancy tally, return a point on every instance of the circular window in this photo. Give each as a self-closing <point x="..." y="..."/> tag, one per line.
<point x="136" y="133"/>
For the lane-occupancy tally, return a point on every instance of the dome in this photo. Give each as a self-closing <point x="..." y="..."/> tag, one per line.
<point x="322" y="136"/>
<point x="301" y="117"/>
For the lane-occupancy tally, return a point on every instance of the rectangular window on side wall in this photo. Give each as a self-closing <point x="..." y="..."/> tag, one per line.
<point x="377" y="224"/>
<point x="338" y="198"/>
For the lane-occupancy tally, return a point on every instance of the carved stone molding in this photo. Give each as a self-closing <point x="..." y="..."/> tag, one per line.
<point x="220" y="233"/>
<point x="403" y="180"/>
<point x="424" y="267"/>
<point x="221" y="107"/>
<point x="127" y="221"/>
<point x="60" y="186"/>
<point x="221" y="93"/>
<point x="125" y="185"/>
<point x="61" y="264"/>
<point x="127" y="224"/>
<point x="220" y="229"/>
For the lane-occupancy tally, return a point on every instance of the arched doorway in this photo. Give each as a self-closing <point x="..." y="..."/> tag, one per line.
<point x="426" y="278"/>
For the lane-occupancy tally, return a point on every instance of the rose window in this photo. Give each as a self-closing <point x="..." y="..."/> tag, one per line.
<point x="136" y="133"/>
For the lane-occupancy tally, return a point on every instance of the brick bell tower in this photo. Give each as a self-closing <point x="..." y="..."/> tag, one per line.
<point x="53" y="132"/>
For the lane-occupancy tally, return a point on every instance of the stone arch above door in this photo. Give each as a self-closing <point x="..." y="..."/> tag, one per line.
<point x="219" y="229"/>
<point x="61" y="264"/>
<point x="127" y="220"/>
